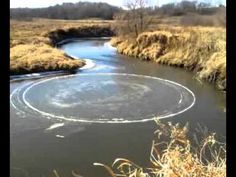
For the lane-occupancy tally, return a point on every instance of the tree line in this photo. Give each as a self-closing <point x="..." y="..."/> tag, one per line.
<point x="68" y="11"/>
<point x="83" y="10"/>
<point x="184" y="7"/>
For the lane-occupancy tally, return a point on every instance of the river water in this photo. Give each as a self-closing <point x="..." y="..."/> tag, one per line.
<point x="103" y="111"/>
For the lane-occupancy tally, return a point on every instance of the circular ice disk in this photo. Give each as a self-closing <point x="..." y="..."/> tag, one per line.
<point x="107" y="98"/>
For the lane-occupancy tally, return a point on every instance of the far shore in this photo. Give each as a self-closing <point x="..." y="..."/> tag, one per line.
<point x="33" y="46"/>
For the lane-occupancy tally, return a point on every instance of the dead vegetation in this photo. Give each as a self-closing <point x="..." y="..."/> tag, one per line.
<point x="80" y="32"/>
<point x="200" y="49"/>
<point x="27" y="58"/>
<point x="32" y="43"/>
<point x="184" y="34"/>
<point x="216" y="20"/>
<point x="174" y="154"/>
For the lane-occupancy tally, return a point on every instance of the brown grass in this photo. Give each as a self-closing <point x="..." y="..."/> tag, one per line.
<point x="217" y="20"/>
<point x="175" y="156"/>
<point x="26" y="58"/>
<point x="200" y="49"/>
<point x="31" y="48"/>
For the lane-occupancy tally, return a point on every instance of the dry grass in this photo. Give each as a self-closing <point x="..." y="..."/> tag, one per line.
<point x="27" y="32"/>
<point x="27" y="58"/>
<point x="201" y="49"/>
<point x="31" y="49"/>
<point x="217" y="20"/>
<point x="173" y="155"/>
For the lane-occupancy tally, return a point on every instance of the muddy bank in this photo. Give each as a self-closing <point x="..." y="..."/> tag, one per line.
<point x="81" y="32"/>
<point x="201" y="50"/>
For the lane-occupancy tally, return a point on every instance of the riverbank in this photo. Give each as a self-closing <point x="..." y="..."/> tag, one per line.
<point x="32" y="43"/>
<point x="199" y="49"/>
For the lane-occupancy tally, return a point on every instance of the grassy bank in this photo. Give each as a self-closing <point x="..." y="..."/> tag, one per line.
<point x="32" y="43"/>
<point x="199" y="49"/>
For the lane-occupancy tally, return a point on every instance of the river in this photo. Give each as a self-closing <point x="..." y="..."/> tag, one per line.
<point x="103" y="111"/>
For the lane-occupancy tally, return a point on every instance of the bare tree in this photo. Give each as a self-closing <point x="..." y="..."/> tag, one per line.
<point x="134" y="19"/>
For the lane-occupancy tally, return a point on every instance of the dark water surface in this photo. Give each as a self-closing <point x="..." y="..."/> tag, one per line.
<point x="68" y="122"/>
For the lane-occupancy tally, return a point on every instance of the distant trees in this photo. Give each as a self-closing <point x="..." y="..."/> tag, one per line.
<point x="184" y="7"/>
<point x="134" y="19"/>
<point x="138" y="15"/>
<point x="71" y="11"/>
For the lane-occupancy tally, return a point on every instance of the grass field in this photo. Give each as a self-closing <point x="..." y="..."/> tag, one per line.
<point x="31" y="49"/>
<point x="199" y="49"/>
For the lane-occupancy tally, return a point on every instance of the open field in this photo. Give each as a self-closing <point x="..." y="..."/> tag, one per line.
<point x="32" y="50"/>
<point x="200" y="49"/>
